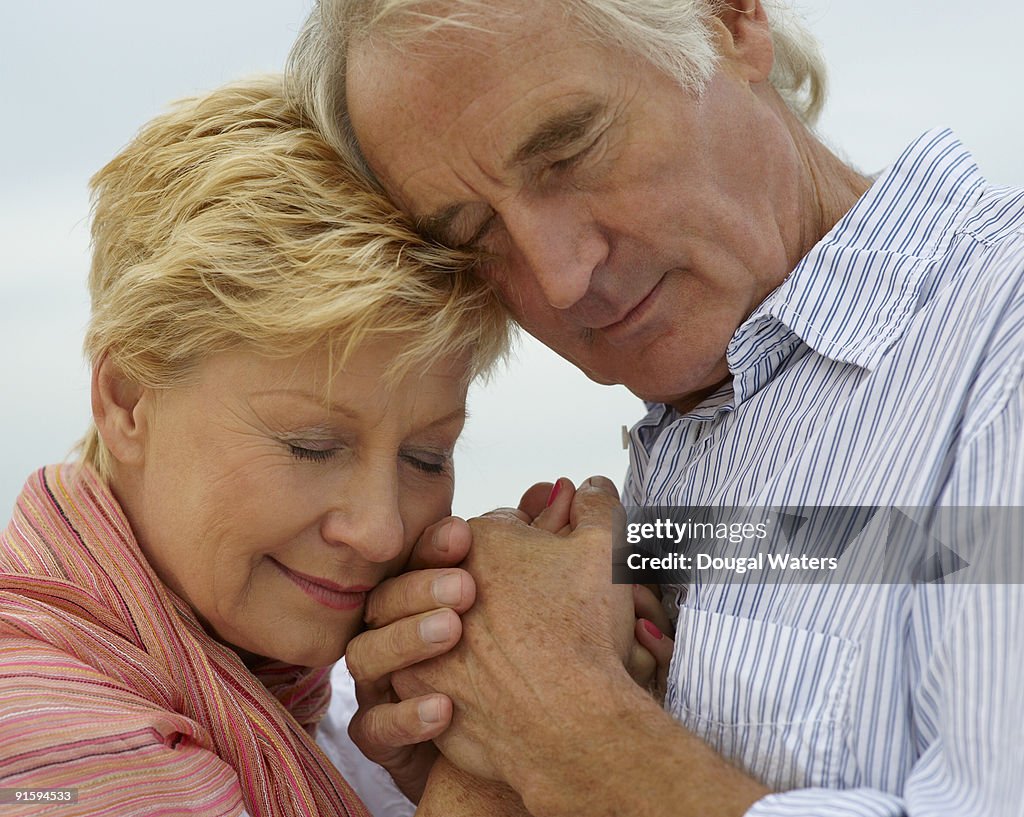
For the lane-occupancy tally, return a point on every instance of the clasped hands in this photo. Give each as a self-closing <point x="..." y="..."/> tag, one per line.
<point x="480" y="645"/>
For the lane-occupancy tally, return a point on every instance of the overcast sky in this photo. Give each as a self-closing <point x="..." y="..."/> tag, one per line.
<point x="80" y="78"/>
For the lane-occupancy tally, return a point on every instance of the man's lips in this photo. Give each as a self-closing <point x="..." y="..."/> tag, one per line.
<point x="328" y="593"/>
<point x="629" y="323"/>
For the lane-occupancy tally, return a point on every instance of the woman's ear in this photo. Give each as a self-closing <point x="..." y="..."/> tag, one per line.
<point x="118" y="410"/>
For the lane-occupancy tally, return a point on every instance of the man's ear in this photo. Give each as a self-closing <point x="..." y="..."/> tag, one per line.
<point x="744" y="39"/>
<point x="118" y="411"/>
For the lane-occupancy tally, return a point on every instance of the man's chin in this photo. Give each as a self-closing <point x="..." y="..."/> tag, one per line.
<point x="683" y="398"/>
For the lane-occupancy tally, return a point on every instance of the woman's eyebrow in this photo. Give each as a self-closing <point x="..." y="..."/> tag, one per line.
<point x="310" y="397"/>
<point x="459" y="414"/>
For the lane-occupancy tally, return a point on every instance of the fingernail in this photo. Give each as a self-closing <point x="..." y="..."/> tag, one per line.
<point x="442" y="538"/>
<point x="598" y="484"/>
<point x="554" y="492"/>
<point x="652" y="628"/>
<point x="447" y="589"/>
<point x="430" y="711"/>
<point x="436" y="628"/>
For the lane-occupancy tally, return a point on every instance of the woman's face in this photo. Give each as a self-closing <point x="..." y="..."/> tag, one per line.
<point x="272" y="497"/>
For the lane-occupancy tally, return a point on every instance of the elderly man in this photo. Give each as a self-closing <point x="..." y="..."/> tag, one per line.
<point x="643" y="190"/>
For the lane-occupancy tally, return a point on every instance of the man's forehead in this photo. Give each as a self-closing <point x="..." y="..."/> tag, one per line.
<point x="443" y="102"/>
<point x="409" y="23"/>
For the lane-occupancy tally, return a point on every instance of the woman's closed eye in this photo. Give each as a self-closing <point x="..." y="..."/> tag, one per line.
<point x="311" y="452"/>
<point x="426" y="460"/>
<point x="429" y="462"/>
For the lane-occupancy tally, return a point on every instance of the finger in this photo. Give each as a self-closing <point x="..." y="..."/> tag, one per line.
<point x="535" y="499"/>
<point x="594" y="504"/>
<point x="659" y="645"/>
<point x="647" y="605"/>
<point x="419" y="592"/>
<point x="375" y="653"/>
<point x="377" y="731"/>
<point x="641" y="665"/>
<point x="555" y="516"/>
<point x="508" y="515"/>
<point x="443" y="544"/>
<point x="374" y="692"/>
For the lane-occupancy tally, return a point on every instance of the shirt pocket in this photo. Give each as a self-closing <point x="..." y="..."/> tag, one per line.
<point x="770" y="697"/>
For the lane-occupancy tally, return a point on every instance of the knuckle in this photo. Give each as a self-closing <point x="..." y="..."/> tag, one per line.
<point x="384" y="727"/>
<point x="357" y="660"/>
<point x="493" y="519"/>
<point x="377" y="603"/>
<point x="369" y="738"/>
<point x="396" y="643"/>
<point x="407" y="595"/>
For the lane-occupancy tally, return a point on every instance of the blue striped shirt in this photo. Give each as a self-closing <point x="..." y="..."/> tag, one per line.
<point x="886" y="370"/>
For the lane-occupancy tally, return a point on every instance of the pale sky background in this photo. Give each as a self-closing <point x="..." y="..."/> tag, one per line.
<point x="80" y="78"/>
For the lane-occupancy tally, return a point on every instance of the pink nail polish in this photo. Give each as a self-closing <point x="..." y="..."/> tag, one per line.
<point x="652" y="628"/>
<point x="554" y="492"/>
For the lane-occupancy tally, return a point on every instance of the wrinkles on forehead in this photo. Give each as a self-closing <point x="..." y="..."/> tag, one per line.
<point x="456" y="118"/>
<point x="404" y="23"/>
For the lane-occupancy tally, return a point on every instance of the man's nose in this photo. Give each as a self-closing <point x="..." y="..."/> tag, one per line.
<point x="367" y="516"/>
<point x="559" y="242"/>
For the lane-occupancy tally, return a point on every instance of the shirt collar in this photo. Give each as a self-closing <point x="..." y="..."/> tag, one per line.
<point x="851" y="297"/>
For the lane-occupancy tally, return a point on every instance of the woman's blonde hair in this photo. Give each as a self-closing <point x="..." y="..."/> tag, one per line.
<point x="229" y="222"/>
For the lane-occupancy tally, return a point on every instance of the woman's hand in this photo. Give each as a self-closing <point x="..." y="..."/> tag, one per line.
<point x="415" y="617"/>
<point x="412" y="617"/>
<point x="652" y="652"/>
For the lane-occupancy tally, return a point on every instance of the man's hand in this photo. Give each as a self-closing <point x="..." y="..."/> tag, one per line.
<point x="549" y="507"/>
<point x="395" y="733"/>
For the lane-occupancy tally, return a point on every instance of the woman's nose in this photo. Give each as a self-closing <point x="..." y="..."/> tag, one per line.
<point x="367" y="517"/>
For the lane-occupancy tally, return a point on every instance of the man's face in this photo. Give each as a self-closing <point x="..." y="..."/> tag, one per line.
<point x="628" y="225"/>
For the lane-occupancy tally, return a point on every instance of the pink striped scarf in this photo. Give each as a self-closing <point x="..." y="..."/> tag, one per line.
<point x="108" y="682"/>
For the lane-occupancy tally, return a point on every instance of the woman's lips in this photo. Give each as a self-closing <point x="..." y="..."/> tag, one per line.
<point x="328" y="593"/>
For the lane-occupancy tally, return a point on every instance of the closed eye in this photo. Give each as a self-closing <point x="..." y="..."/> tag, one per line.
<point x="311" y="454"/>
<point x="569" y="162"/>
<point x="434" y="463"/>
<point x="480" y="234"/>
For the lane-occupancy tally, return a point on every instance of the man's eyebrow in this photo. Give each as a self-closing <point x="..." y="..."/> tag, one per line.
<point x="557" y="132"/>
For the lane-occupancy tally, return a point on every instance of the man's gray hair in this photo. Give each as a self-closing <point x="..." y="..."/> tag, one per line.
<point x="674" y="35"/>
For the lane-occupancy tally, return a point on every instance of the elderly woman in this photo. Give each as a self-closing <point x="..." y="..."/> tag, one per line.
<point x="279" y="376"/>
